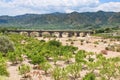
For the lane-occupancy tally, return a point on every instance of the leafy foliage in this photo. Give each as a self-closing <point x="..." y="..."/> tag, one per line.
<point x="79" y="57"/>
<point x="23" y="69"/>
<point x="89" y="76"/>
<point x="37" y="59"/>
<point x="60" y="74"/>
<point x="54" y="43"/>
<point x="74" y="70"/>
<point x="6" y="45"/>
<point x="45" y="66"/>
<point x="3" y="67"/>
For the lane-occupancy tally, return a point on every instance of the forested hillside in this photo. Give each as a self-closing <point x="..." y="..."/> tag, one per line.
<point x="74" y="20"/>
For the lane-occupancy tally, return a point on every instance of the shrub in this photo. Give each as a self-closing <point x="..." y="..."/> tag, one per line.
<point x="3" y="70"/>
<point x="80" y="55"/>
<point x="45" y="66"/>
<point x="6" y="45"/>
<point x="82" y="43"/>
<point x="60" y="74"/>
<point x="72" y="42"/>
<point x="106" y="48"/>
<point x="56" y="74"/>
<point x="74" y="70"/>
<point x="37" y="59"/>
<point x="15" y="57"/>
<point x="54" y="43"/>
<point x="96" y="42"/>
<point x="89" y="76"/>
<point x="23" y="69"/>
<point x="81" y="40"/>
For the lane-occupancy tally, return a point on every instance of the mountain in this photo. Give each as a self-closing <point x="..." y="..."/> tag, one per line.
<point x="74" y="20"/>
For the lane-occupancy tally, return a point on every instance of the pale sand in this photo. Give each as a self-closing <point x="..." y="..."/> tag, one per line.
<point x="90" y="47"/>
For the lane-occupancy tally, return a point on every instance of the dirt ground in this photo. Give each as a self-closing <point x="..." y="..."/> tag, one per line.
<point x="88" y="44"/>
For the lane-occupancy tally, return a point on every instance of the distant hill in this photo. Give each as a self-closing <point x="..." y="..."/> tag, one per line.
<point x="74" y="20"/>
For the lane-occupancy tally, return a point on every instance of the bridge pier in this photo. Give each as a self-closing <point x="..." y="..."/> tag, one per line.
<point x="51" y="33"/>
<point x="60" y="34"/>
<point x="29" y="34"/>
<point x="84" y="34"/>
<point x="70" y="34"/>
<point x="77" y="34"/>
<point x="40" y="34"/>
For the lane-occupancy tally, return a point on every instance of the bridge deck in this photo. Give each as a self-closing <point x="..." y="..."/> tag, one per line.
<point x="49" y="30"/>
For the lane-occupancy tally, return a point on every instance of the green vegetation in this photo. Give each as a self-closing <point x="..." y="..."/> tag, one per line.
<point x="62" y="21"/>
<point x="3" y="67"/>
<point x="60" y="74"/>
<point x="109" y="32"/>
<point x="106" y="36"/>
<point x="74" y="70"/>
<point x="5" y="45"/>
<point x="89" y="76"/>
<point x="80" y="56"/>
<point x="23" y="69"/>
<point x="47" y="56"/>
<point x="46" y="67"/>
<point x="114" y="47"/>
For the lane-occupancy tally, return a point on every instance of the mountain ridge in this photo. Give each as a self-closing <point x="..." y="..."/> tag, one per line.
<point x="74" y="20"/>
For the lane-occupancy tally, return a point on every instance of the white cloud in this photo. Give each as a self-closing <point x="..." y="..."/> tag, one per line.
<point x="39" y="3"/>
<point x="17" y="7"/>
<point x="111" y="6"/>
<point x="69" y="10"/>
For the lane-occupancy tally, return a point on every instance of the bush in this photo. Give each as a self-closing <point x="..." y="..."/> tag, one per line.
<point x="74" y="70"/>
<point x="89" y="76"/>
<point x="81" y="40"/>
<point x="6" y="45"/>
<point x="96" y="42"/>
<point x="15" y="57"/>
<point x="37" y="59"/>
<point x="60" y="74"/>
<point x="3" y="70"/>
<point x="79" y="57"/>
<point x="54" y="43"/>
<point x="45" y="66"/>
<point x="23" y="69"/>
<point x="56" y="74"/>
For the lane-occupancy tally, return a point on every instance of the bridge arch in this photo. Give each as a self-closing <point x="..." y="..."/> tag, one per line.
<point x="34" y="34"/>
<point x="24" y="33"/>
<point x="49" y="33"/>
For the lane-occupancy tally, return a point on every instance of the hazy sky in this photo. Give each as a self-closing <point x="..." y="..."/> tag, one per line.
<point x="18" y="7"/>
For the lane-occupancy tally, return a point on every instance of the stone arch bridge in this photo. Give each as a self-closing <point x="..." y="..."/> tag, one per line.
<point x="51" y="32"/>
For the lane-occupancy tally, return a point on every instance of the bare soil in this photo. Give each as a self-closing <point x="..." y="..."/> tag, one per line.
<point x="88" y="45"/>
